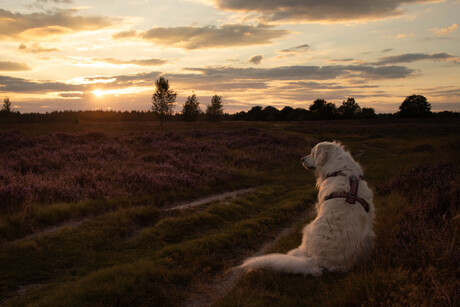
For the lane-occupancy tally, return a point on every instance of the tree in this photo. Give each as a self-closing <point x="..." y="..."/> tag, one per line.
<point x="6" y="105"/>
<point x="287" y="113"/>
<point x="270" y="113"/>
<point x="214" y="111"/>
<point x="255" y="114"/>
<point x="163" y="100"/>
<point x="349" y="109"/>
<point x="415" y="106"/>
<point x="321" y="109"/>
<point x="368" y="113"/>
<point x="191" y="109"/>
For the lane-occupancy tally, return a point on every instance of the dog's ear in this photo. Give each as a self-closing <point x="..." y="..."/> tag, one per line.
<point x="322" y="153"/>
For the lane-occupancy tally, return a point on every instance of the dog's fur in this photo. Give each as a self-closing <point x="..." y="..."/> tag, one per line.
<point x="341" y="235"/>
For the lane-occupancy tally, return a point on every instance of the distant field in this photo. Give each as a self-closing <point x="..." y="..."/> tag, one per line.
<point x="83" y="222"/>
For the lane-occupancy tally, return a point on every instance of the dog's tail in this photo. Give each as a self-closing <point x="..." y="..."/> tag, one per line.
<point x="283" y="263"/>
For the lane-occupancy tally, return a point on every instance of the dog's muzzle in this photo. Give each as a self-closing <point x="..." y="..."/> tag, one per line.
<point x="308" y="162"/>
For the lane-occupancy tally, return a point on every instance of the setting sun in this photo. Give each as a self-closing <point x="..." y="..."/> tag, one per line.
<point x="98" y="93"/>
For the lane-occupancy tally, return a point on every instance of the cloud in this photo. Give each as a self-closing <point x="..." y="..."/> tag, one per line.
<point x="123" y="81"/>
<point x="12" y="66"/>
<point x="322" y="86"/>
<point x="404" y="35"/>
<point x="307" y="72"/>
<point x="256" y="59"/>
<point x="296" y="49"/>
<point x="412" y="57"/>
<point x="219" y="79"/>
<point x="142" y="62"/>
<point x="189" y="37"/>
<point x="35" y="48"/>
<point x="314" y="10"/>
<point x="85" y="84"/>
<point x="71" y="95"/>
<point x="444" y="31"/>
<point x="347" y="60"/>
<point x="40" y="4"/>
<point x="54" y="1"/>
<point x="125" y="34"/>
<point x="39" y="25"/>
<point x="12" y="84"/>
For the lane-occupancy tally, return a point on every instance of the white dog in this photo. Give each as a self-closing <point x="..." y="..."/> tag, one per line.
<point x="341" y="235"/>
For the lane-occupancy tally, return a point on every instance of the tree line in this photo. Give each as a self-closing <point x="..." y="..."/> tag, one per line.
<point x="164" y="98"/>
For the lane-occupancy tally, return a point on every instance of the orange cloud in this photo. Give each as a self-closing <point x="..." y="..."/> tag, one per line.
<point x="140" y="62"/>
<point x="36" y="48"/>
<point x="39" y="25"/>
<point x="12" y="66"/>
<point x="444" y="31"/>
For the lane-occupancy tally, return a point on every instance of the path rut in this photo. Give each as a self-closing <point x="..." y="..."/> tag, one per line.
<point x="195" y="203"/>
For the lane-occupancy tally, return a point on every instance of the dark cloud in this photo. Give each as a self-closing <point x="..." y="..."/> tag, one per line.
<point x="12" y="84"/>
<point x="296" y="49"/>
<point x="342" y="60"/>
<point x="142" y="62"/>
<point x="36" y="48"/>
<point x="314" y="10"/>
<point x="412" y="57"/>
<point x="45" y="24"/>
<point x="71" y="95"/>
<point x="123" y="81"/>
<point x="256" y="59"/>
<point x="12" y="66"/>
<point x="215" y="83"/>
<point x="442" y="91"/>
<point x="308" y="72"/>
<point x="189" y="37"/>
<point x="322" y="86"/>
<point x="125" y="34"/>
<point x="387" y="50"/>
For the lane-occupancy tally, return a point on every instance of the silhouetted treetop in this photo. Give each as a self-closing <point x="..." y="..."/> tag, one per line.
<point x="6" y="105"/>
<point x="214" y="111"/>
<point x="415" y="106"/>
<point x="321" y="109"/>
<point x="191" y="109"/>
<point x="163" y="100"/>
<point x="349" y="109"/>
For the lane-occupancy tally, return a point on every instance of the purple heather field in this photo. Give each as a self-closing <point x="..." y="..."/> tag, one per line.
<point x="63" y="167"/>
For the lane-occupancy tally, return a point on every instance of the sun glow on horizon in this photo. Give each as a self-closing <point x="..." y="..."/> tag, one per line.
<point x="98" y="93"/>
<point x="117" y="92"/>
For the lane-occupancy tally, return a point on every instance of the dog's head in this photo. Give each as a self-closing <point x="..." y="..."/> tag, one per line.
<point x="321" y="154"/>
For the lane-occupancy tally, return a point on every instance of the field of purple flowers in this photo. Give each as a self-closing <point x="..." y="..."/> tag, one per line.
<point x="65" y="167"/>
<point x="81" y="222"/>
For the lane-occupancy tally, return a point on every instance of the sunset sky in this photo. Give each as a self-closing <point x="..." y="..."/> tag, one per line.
<point x="107" y="54"/>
